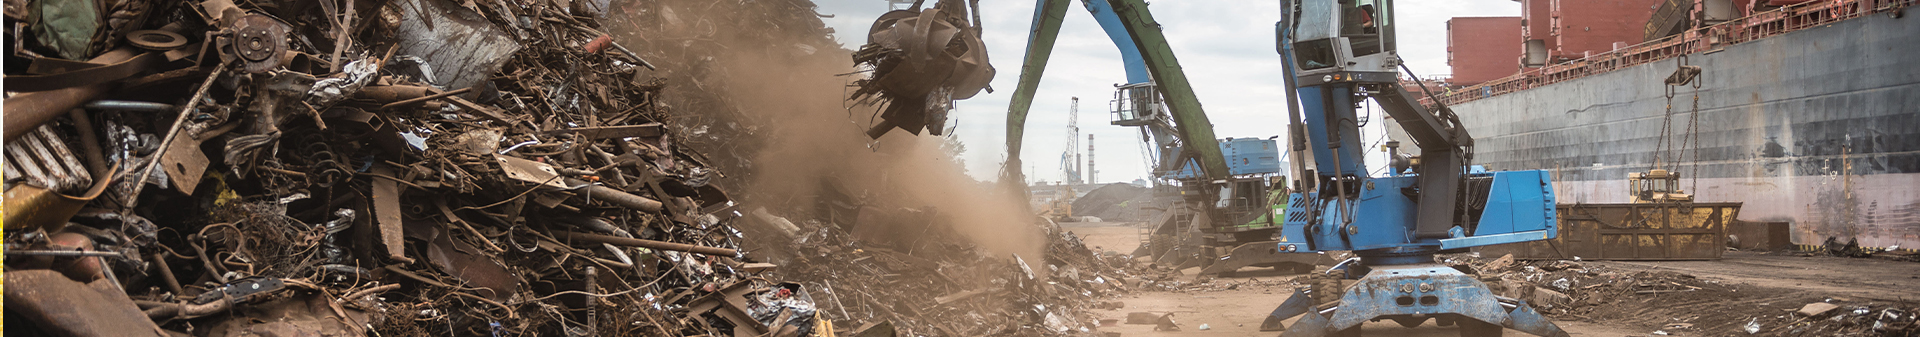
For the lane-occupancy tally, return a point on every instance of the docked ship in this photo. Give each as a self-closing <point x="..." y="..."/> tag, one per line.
<point x="1808" y="112"/>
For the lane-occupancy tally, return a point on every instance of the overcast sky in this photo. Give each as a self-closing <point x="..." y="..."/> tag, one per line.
<point x="1226" y="48"/>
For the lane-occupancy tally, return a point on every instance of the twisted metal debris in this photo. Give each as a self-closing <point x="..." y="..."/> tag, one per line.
<point x="477" y="168"/>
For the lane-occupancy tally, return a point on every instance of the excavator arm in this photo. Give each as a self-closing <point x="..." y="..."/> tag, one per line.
<point x="1047" y="15"/>
<point x="1145" y="53"/>
<point x="1188" y="118"/>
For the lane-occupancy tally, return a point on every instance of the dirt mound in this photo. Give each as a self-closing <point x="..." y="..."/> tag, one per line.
<point x="1115" y="202"/>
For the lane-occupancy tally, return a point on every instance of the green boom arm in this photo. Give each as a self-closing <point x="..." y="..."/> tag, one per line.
<point x="1046" y="29"/>
<point x="1190" y="120"/>
<point x="1195" y="130"/>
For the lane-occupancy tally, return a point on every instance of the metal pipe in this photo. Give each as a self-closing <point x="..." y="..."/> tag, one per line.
<point x="159" y="311"/>
<point x="166" y="274"/>
<point x="390" y="93"/>
<point x="28" y="110"/>
<point x="617" y="197"/>
<point x="96" y="160"/>
<point x="64" y="253"/>
<point x="661" y="245"/>
<point x="411" y="101"/>
<point x="593" y="288"/>
<point x="370" y="291"/>
<point x="107" y="104"/>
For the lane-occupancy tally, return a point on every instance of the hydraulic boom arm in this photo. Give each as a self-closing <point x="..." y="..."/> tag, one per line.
<point x="1195" y="130"/>
<point x="1145" y="49"/>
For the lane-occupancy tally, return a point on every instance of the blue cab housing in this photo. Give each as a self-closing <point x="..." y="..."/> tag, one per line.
<point x="1519" y="208"/>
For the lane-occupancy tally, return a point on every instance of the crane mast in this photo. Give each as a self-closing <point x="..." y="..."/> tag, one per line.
<point x="1070" y="158"/>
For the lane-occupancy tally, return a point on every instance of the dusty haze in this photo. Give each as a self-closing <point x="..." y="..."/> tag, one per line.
<point x="786" y="89"/>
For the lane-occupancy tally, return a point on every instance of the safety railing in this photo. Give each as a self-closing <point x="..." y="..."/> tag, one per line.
<point x="1746" y="29"/>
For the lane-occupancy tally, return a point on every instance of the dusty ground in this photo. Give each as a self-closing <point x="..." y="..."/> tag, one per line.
<point x="1864" y="279"/>
<point x="1787" y="281"/>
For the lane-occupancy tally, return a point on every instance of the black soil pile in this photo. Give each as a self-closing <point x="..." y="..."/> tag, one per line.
<point x="1115" y="202"/>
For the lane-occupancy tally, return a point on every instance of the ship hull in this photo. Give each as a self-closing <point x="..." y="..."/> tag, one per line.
<point x="1818" y="127"/>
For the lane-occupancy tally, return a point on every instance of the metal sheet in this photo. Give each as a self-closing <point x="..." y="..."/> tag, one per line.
<point x="184" y="163"/>
<point x="1645" y="231"/>
<point x="530" y="171"/>
<point x="386" y="212"/>
<point x="460" y="44"/>
<point x="618" y="131"/>
<point x="64" y="307"/>
<point x="463" y="260"/>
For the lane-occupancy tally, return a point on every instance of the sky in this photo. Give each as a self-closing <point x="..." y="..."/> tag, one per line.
<point x="1225" y="47"/>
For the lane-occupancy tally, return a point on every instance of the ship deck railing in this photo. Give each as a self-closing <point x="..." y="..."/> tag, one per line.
<point x="1701" y="39"/>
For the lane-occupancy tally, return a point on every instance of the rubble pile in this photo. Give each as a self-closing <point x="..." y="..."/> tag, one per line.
<point x="1115" y="202"/>
<point x="1674" y="302"/>
<point x="477" y="168"/>
<point x="932" y="282"/>
<point x="391" y="168"/>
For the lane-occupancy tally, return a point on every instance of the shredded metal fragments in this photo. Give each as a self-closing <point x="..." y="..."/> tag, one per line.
<point x="476" y="168"/>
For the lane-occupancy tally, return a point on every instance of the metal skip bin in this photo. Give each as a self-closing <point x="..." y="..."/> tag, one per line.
<point x="1635" y="231"/>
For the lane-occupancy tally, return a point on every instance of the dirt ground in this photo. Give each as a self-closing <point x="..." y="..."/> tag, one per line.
<point x="1865" y="279"/>
<point x="1237" y="308"/>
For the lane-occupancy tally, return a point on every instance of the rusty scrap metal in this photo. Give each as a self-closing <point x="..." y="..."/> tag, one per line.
<point x="661" y="245"/>
<point x="417" y="100"/>
<point x="36" y="207"/>
<point x="56" y="304"/>
<point x="174" y="132"/>
<point x="259" y="40"/>
<point x="649" y="130"/>
<point x="362" y="154"/>
<point x="154" y="39"/>
<point x="618" y="197"/>
<point x="42" y="159"/>
<point x="386" y="212"/>
<point x="26" y="111"/>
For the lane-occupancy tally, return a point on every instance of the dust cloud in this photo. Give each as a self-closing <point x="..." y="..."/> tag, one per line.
<point x="792" y="92"/>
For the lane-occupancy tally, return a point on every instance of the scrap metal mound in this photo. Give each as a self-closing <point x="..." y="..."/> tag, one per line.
<point x="434" y="168"/>
<point x="909" y="269"/>
<point x="1681" y="304"/>
<point x="1115" y="202"/>
<point x="446" y="168"/>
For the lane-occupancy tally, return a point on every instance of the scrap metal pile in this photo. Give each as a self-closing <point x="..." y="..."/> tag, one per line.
<point x="923" y="279"/>
<point x="362" y="167"/>
<point x="467" y="168"/>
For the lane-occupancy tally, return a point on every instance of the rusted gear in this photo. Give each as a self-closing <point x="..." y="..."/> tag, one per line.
<point x="922" y="61"/>
<point x="259" y="40"/>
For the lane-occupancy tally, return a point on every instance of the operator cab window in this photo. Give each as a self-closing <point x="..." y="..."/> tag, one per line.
<point x="1360" y="22"/>
<point x="1314" y="21"/>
